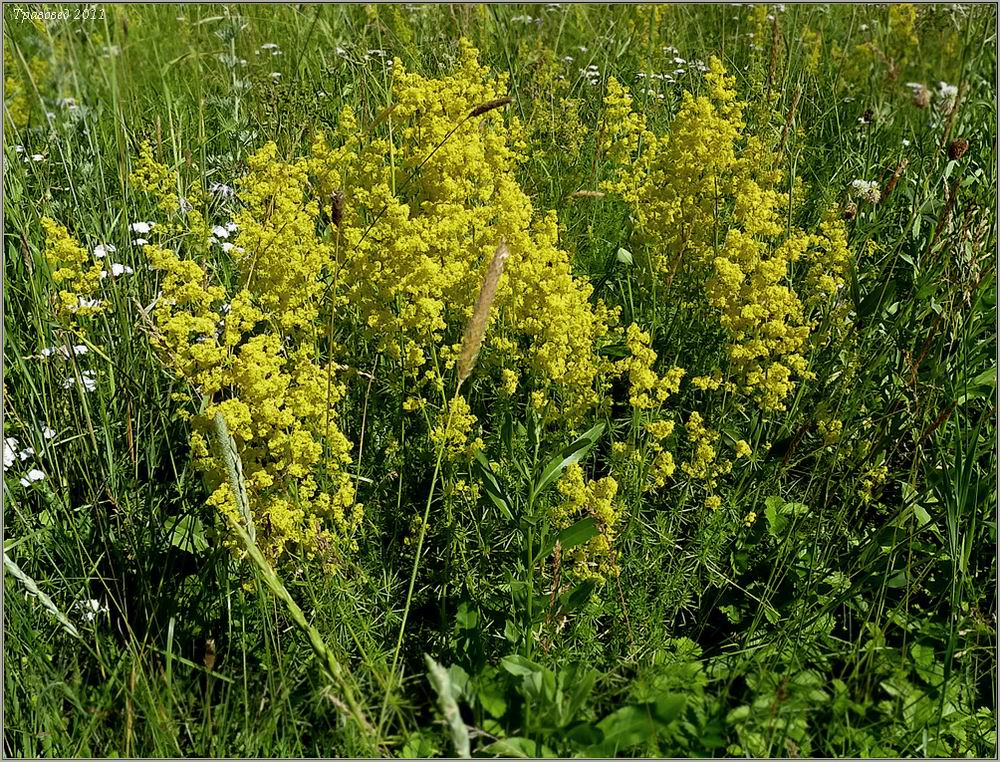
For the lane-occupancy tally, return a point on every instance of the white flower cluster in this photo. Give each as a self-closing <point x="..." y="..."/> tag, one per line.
<point x="12" y="453"/>
<point x="867" y="190"/>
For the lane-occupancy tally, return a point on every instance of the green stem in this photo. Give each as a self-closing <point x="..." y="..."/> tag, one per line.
<point x="416" y="566"/>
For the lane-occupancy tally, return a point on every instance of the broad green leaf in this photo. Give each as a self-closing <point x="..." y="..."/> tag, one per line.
<point x="571" y="454"/>
<point x="633" y="725"/>
<point x="186" y="533"/>
<point x="579" y="596"/>
<point x="515" y="746"/>
<point x="519" y="665"/>
<point x="579" y="691"/>
<point x="978" y="387"/>
<point x="776" y="522"/>
<point x="582" y="531"/>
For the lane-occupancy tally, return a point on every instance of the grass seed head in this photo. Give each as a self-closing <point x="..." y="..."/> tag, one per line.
<point x="476" y="327"/>
<point x="484" y="108"/>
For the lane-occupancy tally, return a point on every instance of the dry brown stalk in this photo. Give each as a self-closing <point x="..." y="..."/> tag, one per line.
<point x="791" y="117"/>
<point x="891" y="185"/>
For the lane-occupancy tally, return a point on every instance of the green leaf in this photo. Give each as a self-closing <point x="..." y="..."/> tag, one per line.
<point x="979" y="387"/>
<point x="515" y="746"/>
<point x="579" y="596"/>
<point x="624" y="256"/>
<point x="776" y="522"/>
<point x="186" y="533"/>
<point x="579" y="691"/>
<point x="492" y="699"/>
<point x="571" y="454"/>
<point x="519" y="666"/>
<point x="633" y="725"/>
<point x="481" y="469"/>
<point x="582" y="531"/>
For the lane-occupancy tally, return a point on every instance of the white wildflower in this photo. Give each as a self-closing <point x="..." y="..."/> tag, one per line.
<point x="221" y="189"/>
<point x="119" y="269"/>
<point x="48" y="432"/>
<point x="90" y="609"/>
<point x="9" y="450"/>
<point x="867" y="190"/>
<point x="103" y="249"/>
<point x="34" y="475"/>
<point x="87" y="379"/>
<point x="84" y="302"/>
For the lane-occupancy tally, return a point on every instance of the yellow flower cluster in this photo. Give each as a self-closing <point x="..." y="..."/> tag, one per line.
<point x="163" y="185"/>
<point x="662" y="467"/>
<point x="457" y="437"/>
<point x="594" y="497"/>
<point x="705" y="196"/>
<point x="704" y="464"/>
<point x="902" y="24"/>
<point x="250" y="352"/>
<point x="419" y="217"/>
<point x="18" y="94"/>
<point x="647" y="390"/>
<point x="871" y="481"/>
<point x="73" y="271"/>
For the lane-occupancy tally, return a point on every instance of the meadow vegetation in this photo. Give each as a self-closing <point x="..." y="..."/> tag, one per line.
<point x="524" y="380"/>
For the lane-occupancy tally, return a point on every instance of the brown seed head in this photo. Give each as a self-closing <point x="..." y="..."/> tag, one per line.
<point x="209" y="658"/>
<point x="958" y="148"/>
<point x="921" y="96"/>
<point x="483" y="108"/>
<point x="336" y="207"/>
<point x="476" y="327"/>
<point x="850" y="210"/>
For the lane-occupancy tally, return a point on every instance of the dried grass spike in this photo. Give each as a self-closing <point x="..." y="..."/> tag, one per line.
<point x="483" y="108"/>
<point x="476" y="327"/>
<point x="336" y="207"/>
<point x="891" y="185"/>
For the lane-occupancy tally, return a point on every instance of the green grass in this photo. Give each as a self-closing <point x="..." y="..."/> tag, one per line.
<point x="837" y="624"/>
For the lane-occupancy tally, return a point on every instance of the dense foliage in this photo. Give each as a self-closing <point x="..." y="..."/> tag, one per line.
<point x="500" y="380"/>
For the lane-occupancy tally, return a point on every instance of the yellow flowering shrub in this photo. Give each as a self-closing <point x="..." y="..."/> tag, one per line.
<point x="707" y="202"/>
<point x="249" y="351"/>
<point x="73" y="271"/>
<point x="421" y="216"/>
